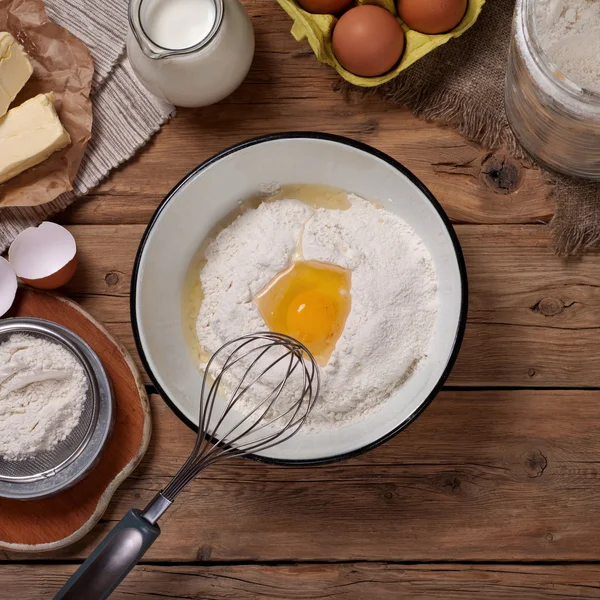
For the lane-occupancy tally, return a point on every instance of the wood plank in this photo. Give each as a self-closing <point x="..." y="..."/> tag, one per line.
<point x="485" y="476"/>
<point x="326" y="581"/>
<point x="454" y="170"/>
<point x="286" y="90"/>
<point x="533" y="316"/>
<point x="58" y="520"/>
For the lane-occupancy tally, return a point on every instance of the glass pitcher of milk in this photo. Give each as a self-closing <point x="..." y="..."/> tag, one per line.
<point x="190" y="52"/>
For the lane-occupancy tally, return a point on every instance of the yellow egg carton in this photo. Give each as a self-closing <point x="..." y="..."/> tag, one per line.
<point x="317" y="29"/>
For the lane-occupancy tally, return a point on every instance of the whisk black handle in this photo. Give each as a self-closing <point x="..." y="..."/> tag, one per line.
<point x="110" y="562"/>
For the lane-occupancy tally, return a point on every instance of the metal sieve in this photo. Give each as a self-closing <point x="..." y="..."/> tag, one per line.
<point x="72" y="458"/>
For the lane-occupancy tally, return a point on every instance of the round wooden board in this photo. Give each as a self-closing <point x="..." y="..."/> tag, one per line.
<point x="55" y="522"/>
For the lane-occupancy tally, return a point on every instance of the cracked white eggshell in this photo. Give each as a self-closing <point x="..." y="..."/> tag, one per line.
<point x="8" y="286"/>
<point x="45" y="257"/>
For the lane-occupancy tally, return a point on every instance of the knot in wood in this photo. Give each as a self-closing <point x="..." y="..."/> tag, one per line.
<point x="549" y="307"/>
<point x="111" y="279"/>
<point x="204" y="553"/>
<point x="535" y="464"/>
<point x="449" y="483"/>
<point x="501" y="173"/>
<point x="452" y="484"/>
<point x="368" y="127"/>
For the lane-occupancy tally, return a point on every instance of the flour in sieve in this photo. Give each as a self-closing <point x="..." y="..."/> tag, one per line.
<point x="43" y="389"/>
<point x="394" y="295"/>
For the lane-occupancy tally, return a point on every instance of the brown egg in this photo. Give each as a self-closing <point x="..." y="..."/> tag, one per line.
<point x="368" y="40"/>
<point x="432" y="16"/>
<point x="323" y="7"/>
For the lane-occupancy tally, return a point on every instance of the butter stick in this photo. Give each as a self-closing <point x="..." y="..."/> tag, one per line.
<point x="15" y="70"/>
<point x="29" y="134"/>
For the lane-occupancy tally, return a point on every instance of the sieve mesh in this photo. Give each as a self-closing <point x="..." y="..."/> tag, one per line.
<point x="65" y="452"/>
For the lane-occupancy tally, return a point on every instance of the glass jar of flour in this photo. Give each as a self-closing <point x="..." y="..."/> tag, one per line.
<point x="553" y="84"/>
<point x="190" y="52"/>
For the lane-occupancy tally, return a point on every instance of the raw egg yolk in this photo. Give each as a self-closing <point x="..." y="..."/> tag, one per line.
<point x="309" y="301"/>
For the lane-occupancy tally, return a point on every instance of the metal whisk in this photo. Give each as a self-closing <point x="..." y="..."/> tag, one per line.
<point x="231" y="423"/>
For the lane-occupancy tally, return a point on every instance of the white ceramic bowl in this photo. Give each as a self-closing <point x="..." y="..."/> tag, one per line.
<point x="213" y="190"/>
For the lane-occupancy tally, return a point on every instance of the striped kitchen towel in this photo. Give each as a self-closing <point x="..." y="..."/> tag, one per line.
<point x="120" y="127"/>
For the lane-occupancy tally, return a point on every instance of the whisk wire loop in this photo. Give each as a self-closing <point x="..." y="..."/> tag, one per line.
<point x="284" y="377"/>
<point x="232" y="421"/>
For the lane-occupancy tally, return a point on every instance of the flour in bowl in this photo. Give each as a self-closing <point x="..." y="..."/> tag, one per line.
<point x="569" y="33"/>
<point x="394" y="298"/>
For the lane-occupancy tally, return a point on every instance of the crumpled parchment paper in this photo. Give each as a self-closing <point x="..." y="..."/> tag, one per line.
<point x="61" y="64"/>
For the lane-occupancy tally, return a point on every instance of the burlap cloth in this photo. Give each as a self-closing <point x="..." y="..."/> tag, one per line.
<point x="461" y="84"/>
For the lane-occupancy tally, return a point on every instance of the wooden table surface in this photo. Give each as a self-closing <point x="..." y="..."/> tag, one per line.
<point x="493" y="492"/>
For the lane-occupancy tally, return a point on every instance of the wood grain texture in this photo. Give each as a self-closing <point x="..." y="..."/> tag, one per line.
<point x="51" y="523"/>
<point x="487" y="476"/>
<point x="358" y="581"/>
<point x="287" y="89"/>
<point x="460" y="177"/>
<point x="533" y="316"/>
<point x="480" y="476"/>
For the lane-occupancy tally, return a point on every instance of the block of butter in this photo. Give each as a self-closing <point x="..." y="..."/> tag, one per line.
<point x="15" y="70"/>
<point x="29" y="134"/>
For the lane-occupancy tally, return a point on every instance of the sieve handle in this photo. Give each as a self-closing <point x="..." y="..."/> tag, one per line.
<point x="117" y="554"/>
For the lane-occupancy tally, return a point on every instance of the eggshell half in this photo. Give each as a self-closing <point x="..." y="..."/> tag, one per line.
<point x="45" y="257"/>
<point x="8" y="286"/>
